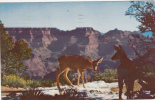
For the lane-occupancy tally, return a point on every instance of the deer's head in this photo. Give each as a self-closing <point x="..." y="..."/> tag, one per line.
<point x="95" y="63"/>
<point x="120" y="53"/>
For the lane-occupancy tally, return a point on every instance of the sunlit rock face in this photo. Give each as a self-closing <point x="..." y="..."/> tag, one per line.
<point x="49" y="44"/>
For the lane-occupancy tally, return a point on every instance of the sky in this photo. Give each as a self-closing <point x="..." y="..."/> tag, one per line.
<point x="102" y="16"/>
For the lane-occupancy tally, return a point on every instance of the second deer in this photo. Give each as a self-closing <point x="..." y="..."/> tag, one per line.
<point x="126" y="71"/>
<point x="75" y="62"/>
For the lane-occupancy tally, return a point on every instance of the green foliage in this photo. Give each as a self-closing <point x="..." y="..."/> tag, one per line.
<point x="150" y="76"/>
<point x="13" y="81"/>
<point x="63" y="80"/>
<point x="26" y="76"/>
<point x="144" y="47"/>
<point x="144" y="12"/>
<point x="18" y="81"/>
<point x="48" y="83"/>
<point x="109" y="75"/>
<point x="13" y="54"/>
<point x="21" y="50"/>
<point x="33" y="83"/>
<point x="98" y="76"/>
<point x="8" y="43"/>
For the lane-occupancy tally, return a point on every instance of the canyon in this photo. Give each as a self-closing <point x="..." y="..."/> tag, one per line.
<point x="49" y="44"/>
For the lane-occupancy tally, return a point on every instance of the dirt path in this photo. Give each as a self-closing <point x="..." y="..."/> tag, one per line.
<point x="5" y="90"/>
<point x="8" y="89"/>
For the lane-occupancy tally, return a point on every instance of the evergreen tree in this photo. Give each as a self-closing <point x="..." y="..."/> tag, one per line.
<point x="13" y="54"/>
<point x="144" y="12"/>
<point x="144" y="47"/>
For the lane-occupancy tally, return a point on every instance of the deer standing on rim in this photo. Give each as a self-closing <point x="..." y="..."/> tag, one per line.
<point x="75" y="62"/>
<point x="125" y="71"/>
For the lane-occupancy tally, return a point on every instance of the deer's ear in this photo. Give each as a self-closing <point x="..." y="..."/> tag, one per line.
<point x="91" y="60"/>
<point x="100" y="60"/>
<point x="116" y="47"/>
<point x="120" y="47"/>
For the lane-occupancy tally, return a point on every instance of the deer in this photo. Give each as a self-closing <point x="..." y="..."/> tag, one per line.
<point x="126" y="71"/>
<point x="75" y="62"/>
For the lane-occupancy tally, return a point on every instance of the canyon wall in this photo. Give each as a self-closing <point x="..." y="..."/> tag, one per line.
<point x="49" y="44"/>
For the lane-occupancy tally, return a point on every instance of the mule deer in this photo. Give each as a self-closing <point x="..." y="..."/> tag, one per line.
<point x="75" y="62"/>
<point x="125" y="70"/>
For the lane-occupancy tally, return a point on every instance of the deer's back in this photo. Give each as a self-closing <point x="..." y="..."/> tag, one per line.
<point x="128" y="64"/>
<point x="73" y="61"/>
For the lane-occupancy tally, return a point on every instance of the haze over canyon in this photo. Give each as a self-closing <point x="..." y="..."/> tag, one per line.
<point x="49" y="44"/>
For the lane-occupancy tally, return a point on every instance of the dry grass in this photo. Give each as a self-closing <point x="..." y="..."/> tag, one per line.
<point x="6" y="90"/>
<point x="9" y="89"/>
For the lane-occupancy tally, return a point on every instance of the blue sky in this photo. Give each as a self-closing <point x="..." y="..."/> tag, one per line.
<point x="102" y="16"/>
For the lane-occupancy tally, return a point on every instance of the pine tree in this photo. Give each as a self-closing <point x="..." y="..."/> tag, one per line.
<point x="144" y="12"/>
<point x="13" y="54"/>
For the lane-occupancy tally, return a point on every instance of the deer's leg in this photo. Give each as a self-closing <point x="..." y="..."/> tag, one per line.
<point x="127" y="84"/>
<point x="131" y="86"/>
<point x="79" y="75"/>
<point x="120" y="82"/>
<point x="65" y="75"/>
<point x="60" y="71"/>
<point x="82" y="77"/>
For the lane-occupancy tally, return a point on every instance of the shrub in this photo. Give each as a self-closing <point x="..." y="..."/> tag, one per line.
<point x="33" y="83"/>
<point x="33" y="94"/>
<point x="150" y="78"/>
<point x="63" y="80"/>
<point x="13" y="81"/>
<point x="48" y="83"/>
<point x="98" y="76"/>
<point x="68" y="94"/>
<point x="109" y="75"/>
<point x="71" y="94"/>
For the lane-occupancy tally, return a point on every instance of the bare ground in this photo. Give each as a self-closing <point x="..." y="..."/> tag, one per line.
<point x="5" y="90"/>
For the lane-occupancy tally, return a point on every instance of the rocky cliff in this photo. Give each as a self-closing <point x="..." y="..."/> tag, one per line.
<point x="49" y="44"/>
